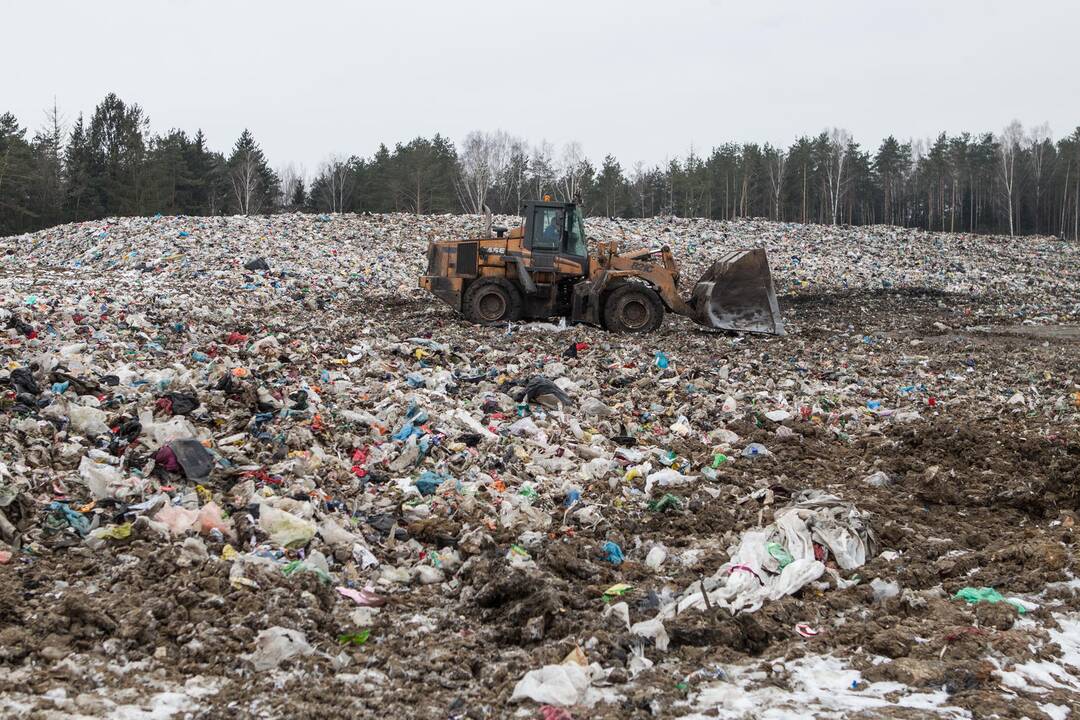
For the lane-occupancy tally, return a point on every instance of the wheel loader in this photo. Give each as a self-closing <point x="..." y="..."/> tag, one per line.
<point x="543" y="269"/>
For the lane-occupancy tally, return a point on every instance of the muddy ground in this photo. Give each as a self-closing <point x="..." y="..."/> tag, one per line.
<point x="983" y="491"/>
<point x="984" y="494"/>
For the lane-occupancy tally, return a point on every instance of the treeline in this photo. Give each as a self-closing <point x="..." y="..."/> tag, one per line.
<point x="110" y="164"/>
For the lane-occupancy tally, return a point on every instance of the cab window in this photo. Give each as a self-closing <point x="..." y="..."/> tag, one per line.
<point x="575" y="236"/>
<point x="548" y="232"/>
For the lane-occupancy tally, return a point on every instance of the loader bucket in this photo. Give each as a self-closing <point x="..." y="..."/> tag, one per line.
<point x="737" y="293"/>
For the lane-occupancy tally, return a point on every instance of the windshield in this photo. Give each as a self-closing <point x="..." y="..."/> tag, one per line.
<point x="575" y="238"/>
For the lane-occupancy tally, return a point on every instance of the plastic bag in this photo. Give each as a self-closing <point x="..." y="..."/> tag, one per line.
<point x="177" y="519"/>
<point x="667" y="477"/>
<point x="99" y="477"/>
<point x="275" y="645"/>
<point x="553" y="685"/>
<point x="285" y="529"/>
<point x="87" y="421"/>
<point x="209" y="518"/>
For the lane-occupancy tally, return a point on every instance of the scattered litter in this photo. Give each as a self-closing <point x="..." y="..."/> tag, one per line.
<point x="217" y="429"/>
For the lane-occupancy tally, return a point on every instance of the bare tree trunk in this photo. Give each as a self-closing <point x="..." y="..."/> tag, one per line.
<point x="4" y="164"/>
<point x="886" y="208"/>
<point x="804" y="193"/>
<point x="941" y="201"/>
<point x="1065" y="199"/>
<point x="952" y="208"/>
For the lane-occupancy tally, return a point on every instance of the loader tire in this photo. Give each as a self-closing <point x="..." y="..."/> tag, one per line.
<point x="491" y="301"/>
<point x="633" y="308"/>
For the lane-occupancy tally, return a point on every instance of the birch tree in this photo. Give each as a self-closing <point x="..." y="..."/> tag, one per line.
<point x="291" y="178"/>
<point x="1038" y="142"/>
<point x="839" y="141"/>
<point x="252" y="181"/>
<point x="1008" y="148"/>
<point x="335" y="184"/>
<point x="482" y="160"/>
<point x="514" y="183"/>
<point x="777" y="163"/>
<point x="571" y="169"/>
<point x="541" y="166"/>
<point x="640" y="180"/>
<point x="244" y="176"/>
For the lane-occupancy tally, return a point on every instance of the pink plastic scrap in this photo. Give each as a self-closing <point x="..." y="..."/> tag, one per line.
<point x="365" y="597"/>
<point x="745" y="568"/>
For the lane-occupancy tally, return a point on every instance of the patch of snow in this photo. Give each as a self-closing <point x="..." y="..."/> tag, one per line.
<point x="1042" y="676"/>
<point x="819" y="686"/>
<point x="1055" y="712"/>
<point x="160" y="706"/>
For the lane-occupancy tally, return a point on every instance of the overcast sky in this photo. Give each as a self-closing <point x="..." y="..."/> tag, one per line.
<point x="641" y="80"/>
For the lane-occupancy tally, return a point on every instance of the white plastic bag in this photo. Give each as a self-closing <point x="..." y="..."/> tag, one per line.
<point x="560" y="685"/>
<point x="87" y="421"/>
<point x="275" y="645"/>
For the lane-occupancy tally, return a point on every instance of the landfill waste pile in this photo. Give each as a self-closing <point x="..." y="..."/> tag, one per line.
<point x="248" y="468"/>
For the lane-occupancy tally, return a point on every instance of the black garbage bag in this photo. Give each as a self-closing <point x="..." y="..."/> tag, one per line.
<point x="24" y="329"/>
<point x="256" y="264"/>
<point x="182" y="403"/>
<point x="130" y="429"/>
<point x="24" y="382"/>
<point x="194" y="459"/>
<point x="470" y="439"/>
<point x="541" y="390"/>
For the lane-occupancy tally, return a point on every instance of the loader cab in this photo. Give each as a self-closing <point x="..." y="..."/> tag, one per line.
<point x="554" y="230"/>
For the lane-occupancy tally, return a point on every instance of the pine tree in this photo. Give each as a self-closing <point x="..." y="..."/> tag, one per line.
<point x="200" y="165"/>
<point x="299" y="198"/>
<point x="117" y="141"/>
<point x="16" y="173"/>
<point x="48" y="170"/>
<point x="611" y="185"/>
<point x="254" y="185"/>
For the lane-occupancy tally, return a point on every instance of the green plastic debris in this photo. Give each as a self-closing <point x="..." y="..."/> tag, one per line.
<point x="718" y="460"/>
<point x="973" y="596"/>
<point x="668" y="501"/>
<point x="616" y="590"/>
<point x="113" y="532"/>
<point x="356" y="638"/>
<point x="528" y="491"/>
<point x="781" y="554"/>
<point x="296" y="566"/>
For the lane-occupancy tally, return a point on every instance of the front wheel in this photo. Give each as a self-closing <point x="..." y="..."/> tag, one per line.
<point x="633" y="308"/>
<point x="491" y="301"/>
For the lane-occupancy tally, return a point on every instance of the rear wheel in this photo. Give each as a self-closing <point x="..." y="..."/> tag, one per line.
<point x="491" y="301"/>
<point x="633" y="308"/>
